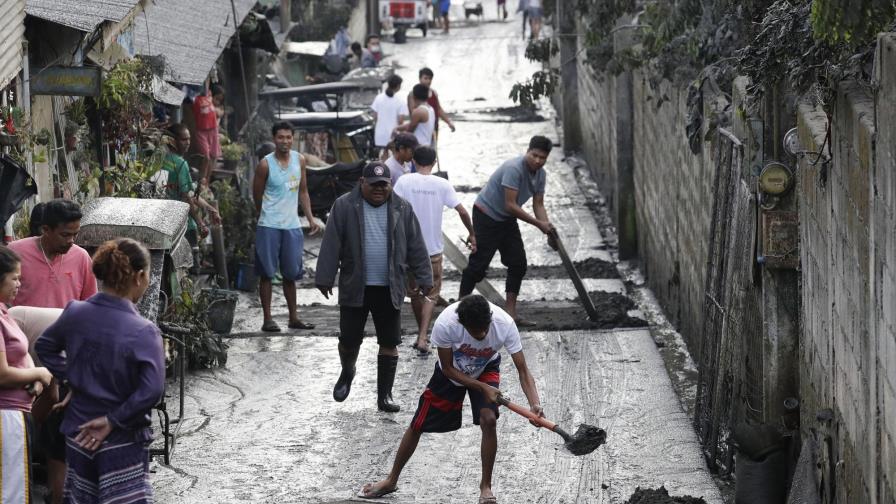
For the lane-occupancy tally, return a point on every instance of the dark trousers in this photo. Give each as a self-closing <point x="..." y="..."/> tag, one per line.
<point x="386" y="319"/>
<point x="495" y="236"/>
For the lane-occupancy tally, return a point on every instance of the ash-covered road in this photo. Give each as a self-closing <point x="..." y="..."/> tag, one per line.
<point x="266" y="430"/>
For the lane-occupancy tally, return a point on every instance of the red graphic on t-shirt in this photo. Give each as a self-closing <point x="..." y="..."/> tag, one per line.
<point x="469" y="350"/>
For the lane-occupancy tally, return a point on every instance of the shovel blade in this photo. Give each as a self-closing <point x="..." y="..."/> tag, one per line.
<point x="586" y="439"/>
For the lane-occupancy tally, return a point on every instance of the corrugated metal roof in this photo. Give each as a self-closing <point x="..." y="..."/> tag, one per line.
<point x="80" y="14"/>
<point x="12" y="26"/>
<point x="189" y="35"/>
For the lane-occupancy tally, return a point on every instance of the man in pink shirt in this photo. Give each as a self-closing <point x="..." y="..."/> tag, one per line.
<point x="54" y="269"/>
<point x="54" y="272"/>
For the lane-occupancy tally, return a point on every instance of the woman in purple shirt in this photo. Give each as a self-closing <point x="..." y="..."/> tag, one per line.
<point x="114" y="365"/>
<point x="19" y="382"/>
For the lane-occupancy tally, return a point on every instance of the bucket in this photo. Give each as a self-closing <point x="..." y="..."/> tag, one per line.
<point x="221" y="309"/>
<point x="246" y="279"/>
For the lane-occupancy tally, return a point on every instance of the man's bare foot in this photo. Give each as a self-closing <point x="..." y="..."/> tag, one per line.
<point x="377" y="490"/>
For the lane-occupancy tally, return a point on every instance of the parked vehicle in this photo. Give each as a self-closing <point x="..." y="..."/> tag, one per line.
<point x="327" y="183"/>
<point x="403" y="14"/>
<point x="332" y="119"/>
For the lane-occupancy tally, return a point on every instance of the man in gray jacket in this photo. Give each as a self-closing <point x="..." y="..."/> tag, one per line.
<point x="373" y="239"/>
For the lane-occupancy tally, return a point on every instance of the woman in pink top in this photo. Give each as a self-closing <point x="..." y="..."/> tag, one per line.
<point x="20" y="382"/>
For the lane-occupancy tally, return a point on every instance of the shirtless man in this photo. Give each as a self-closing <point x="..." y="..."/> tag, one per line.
<point x="423" y="117"/>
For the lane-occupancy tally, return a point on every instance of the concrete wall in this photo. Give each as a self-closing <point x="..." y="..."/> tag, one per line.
<point x="597" y="109"/>
<point x="847" y="224"/>
<point x="673" y="198"/>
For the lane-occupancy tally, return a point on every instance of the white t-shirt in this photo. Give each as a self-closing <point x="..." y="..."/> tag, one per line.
<point x="397" y="169"/>
<point x="428" y="194"/>
<point x="387" y="112"/>
<point x="471" y="356"/>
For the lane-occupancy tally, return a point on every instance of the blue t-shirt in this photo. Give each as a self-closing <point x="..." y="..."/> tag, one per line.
<point x="280" y="205"/>
<point x="513" y="174"/>
<point x="376" y="244"/>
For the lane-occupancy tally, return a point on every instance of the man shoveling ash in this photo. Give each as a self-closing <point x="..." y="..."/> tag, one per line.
<point x="495" y="214"/>
<point x="468" y="334"/>
<point x="374" y="240"/>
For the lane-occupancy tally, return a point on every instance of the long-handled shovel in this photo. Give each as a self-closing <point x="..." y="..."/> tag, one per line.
<point x="586" y="439"/>
<point x="557" y="244"/>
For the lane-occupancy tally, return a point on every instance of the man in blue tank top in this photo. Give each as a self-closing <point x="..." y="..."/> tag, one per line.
<point x="278" y="187"/>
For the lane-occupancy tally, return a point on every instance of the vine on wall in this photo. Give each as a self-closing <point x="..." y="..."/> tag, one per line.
<point x="809" y="45"/>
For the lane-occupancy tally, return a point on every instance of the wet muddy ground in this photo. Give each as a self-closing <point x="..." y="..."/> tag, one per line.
<point x="265" y="428"/>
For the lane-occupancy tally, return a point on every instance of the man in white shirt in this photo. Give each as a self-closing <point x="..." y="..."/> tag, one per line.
<point x="399" y="162"/>
<point x="469" y="334"/>
<point x="389" y="111"/>
<point x="428" y="195"/>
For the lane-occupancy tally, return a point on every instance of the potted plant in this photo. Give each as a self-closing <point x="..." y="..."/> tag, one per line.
<point x="10" y="116"/>
<point x="232" y="154"/>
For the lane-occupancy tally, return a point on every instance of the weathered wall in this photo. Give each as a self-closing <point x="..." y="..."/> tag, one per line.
<point x="848" y="349"/>
<point x="882" y="298"/>
<point x="673" y="199"/>
<point x="597" y="111"/>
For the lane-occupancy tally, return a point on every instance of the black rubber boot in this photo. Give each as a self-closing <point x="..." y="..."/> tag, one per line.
<point x="344" y="383"/>
<point x="385" y="378"/>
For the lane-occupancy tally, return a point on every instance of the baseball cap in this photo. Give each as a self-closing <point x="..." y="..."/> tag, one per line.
<point x="376" y="172"/>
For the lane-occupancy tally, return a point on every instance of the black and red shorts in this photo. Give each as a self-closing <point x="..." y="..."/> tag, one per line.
<point x="440" y="405"/>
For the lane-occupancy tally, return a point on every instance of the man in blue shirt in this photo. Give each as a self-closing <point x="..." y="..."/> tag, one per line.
<point x="495" y="214"/>
<point x="279" y="185"/>
<point x="374" y="241"/>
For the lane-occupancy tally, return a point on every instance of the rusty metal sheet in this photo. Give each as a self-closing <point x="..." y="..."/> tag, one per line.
<point x="780" y="239"/>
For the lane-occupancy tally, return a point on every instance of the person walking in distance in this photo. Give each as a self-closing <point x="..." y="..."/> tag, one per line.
<point x="389" y="111"/>
<point x="115" y="362"/>
<point x="279" y="186"/>
<point x="469" y="336"/>
<point x="428" y="195"/>
<point x="423" y="117"/>
<point x="373" y="241"/>
<point x="496" y="211"/>
<point x="426" y="76"/>
<point x="55" y="271"/>
<point x="535" y="11"/>
<point x="400" y="162"/>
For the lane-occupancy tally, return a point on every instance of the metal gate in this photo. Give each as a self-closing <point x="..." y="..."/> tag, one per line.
<point x="728" y="389"/>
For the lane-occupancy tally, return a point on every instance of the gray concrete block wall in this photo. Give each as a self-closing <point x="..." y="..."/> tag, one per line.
<point x="848" y="347"/>
<point x="597" y="112"/>
<point x="883" y="264"/>
<point x="673" y="198"/>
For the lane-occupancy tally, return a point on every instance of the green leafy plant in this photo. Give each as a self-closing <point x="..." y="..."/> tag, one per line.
<point x="239" y="221"/>
<point x="543" y="82"/>
<point x="233" y="151"/>
<point x="76" y="112"/>
<point x="204" y="349"/>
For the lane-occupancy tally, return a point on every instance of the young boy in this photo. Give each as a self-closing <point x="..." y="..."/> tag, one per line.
<point x="469" y="334"/>
<point x="427" y="195"/>
<point x="399" y="162"/>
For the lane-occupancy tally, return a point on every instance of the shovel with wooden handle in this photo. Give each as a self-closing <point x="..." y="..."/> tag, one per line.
<point x="556" y="243"/>
<point x="586" y="439"/>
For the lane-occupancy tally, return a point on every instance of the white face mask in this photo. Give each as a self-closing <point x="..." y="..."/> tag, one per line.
<point x="374" y="48"/>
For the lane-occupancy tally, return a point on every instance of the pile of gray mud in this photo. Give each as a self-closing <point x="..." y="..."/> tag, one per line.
<point x="660" y="496"/>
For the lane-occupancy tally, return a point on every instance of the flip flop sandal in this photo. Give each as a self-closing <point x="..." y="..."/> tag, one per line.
<point x="298" y="324"/>
<point x="270" y="326"/>
<point x="488" y="500"/>
<point x="521" y="322"/>
<point x="365" y="494"/>
<point x="420" y="352"/>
